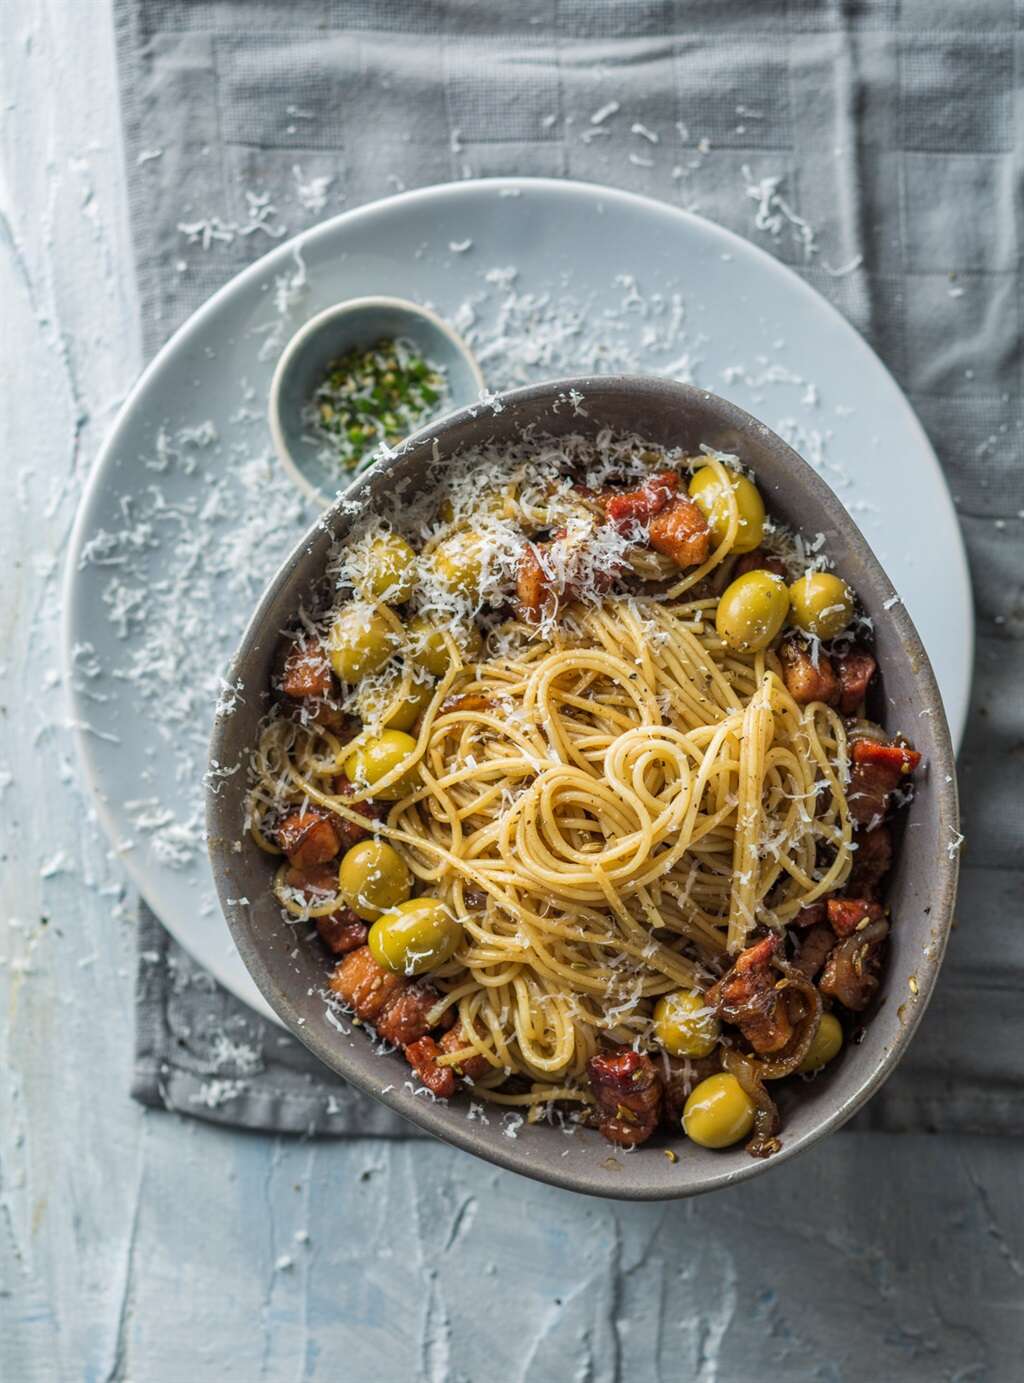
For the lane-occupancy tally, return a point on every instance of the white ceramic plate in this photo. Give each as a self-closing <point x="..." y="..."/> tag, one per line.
<point x="186" y="515"/>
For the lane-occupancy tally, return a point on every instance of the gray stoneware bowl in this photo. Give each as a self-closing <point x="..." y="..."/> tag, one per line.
<point x="291" y="969"/>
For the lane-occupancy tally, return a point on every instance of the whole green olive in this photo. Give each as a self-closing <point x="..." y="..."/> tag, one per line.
<point x="373" y="703"/>
<point x="821" y="604"/>
<point x="684" y="1025"/>
<point x="459" y="563"/>
<point x="360" y="641"/>
<point x="752" y="610"/>
<point x="385" y="569"/>
<point x="718" y="1112"/>
<point x="415" y="936"/>
<point x="825" y="1044"/>
<point x="375" y="757"/>
<point x="708" y="493"/>
<point x="373" y="877"/>
<point x="428" y="649"/>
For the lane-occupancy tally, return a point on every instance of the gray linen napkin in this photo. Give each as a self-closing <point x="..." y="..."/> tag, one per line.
<point x="893" y="129"/>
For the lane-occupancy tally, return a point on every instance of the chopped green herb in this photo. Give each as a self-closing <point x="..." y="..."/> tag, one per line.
<point x="372" y="396"/>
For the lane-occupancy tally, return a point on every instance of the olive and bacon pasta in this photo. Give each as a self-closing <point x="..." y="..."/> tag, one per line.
<point x="570" y="767"/>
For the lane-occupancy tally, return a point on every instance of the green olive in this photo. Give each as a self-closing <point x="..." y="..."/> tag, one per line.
<point x="360" y="642"/>
<point x="821" y="604"/>
<point x="718" y="1112"/>
<point x="415" y="937"/>
<point x="825" y="1044"/>
<point x="373" y="877"/>
<point x="709" y="495"/>
<point x="752" y="610"/>
<point x="375" y="757"/>
<point x="373" y="703"/>
<point x="684" y="1025"/>
<point x="386" y="569"/>
<point x="428" y="649"/>
<point x="459" y="563"/>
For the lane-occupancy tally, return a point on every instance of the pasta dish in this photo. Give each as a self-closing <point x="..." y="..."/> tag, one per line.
<point x="569" y="765"/>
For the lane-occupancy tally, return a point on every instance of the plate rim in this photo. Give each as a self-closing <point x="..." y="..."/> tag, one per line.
<point x="150" y="889"/>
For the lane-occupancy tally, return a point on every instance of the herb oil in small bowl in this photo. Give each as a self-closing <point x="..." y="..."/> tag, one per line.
<point x="362" y="375"/>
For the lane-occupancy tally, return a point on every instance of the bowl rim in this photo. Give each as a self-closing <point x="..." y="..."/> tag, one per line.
<point x="319" y="322"/>
<point x="446" y="1122"/>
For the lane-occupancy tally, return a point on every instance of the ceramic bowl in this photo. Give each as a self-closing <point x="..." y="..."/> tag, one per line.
<point x="290" y="969"/>
<point x="354" y="325"/>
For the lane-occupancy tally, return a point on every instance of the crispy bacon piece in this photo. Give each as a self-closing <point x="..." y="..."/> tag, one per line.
<point x="627" y="1089"/>
<point x="811" y="915"/>
<point x="847" y="915"/>
<point x="872" y="860"/>
<point x="877" y="771"/>
<point x="851" y="971"/>
<point x="805" y="682"/>
<point x="855" y="669"/>
<point x="681" y="532"/>
<point x="363" y="985"/>
<point x="747" y="997"/>
<point x="472" y="1067"/>
<point x="759" y="560"/>
<point x="348" y="832"/>
<point x="422" y="1057"/>
<point x="627" y="508"/>
<point x="306" y="671"/>
<point x="396" y="1007"/>
<point x="342" y="931"/>
<point x="815" y="945"/>
<point x="533" y="586"/>
<point x="315" y="884"/>
<point x="404" y="1018"/>
<point x="308" y="838"/>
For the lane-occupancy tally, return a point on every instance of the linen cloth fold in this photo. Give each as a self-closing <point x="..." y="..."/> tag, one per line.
<point x="884" y="136"/>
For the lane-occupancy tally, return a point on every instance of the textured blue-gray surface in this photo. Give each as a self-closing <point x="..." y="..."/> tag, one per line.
<point x="892" y="141"/>
<point x="142" y="1247"/>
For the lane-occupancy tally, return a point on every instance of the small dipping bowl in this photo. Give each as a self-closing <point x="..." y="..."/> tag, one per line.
<point x="350" y="326"/>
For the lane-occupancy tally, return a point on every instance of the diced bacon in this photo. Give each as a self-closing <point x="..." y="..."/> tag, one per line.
<point x="805" y="682"/>
<point x="851" y="974"/>
<point x="422" y="1057"/>
<point x="404" y="1018"/>
<point x="848" y="915"/>
<point x="747" y="997"/>
<point x="872" y="860"/>
<point x="815" y="945"/>
<point x="627" y="1089"/>
<point x="759" y="560"/>
<point x="628" y="508"/>
<point x="533" y="587"/>
<point x="308" y="838"/>
<point x="342" y="931"/>
<point x="899" y="758"/>
<point x="472" y="1067"/>
<point x="681" y="533"/>
<point x="306" y="671"/>
<point x="811" y="915"/>
<point x="855" y="669"/>
<point x="314" y="885"/>
<point x="877" y="771"/>
<point x="363" y="985"/>
<point x="349" y="833"/>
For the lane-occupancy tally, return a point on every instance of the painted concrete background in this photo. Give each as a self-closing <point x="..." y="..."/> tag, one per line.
<point x="147" y="1248"/>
